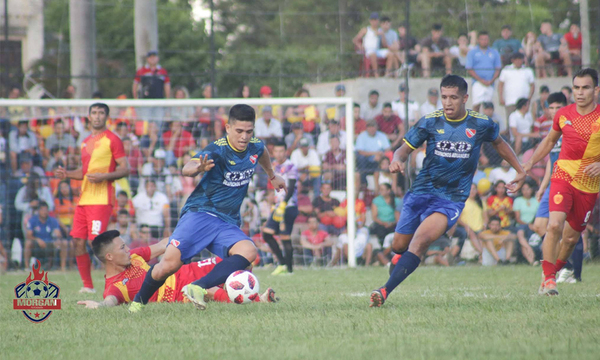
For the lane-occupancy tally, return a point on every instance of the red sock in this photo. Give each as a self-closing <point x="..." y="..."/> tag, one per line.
<point x="396" y="258"/>
<point x="559" y="264"/>
<point x="84" y="265"/>
<point x="549" y="269"/>
<point x="221" y="296"/>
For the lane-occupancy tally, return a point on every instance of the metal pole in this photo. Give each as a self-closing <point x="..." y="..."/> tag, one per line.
<point x="584" y="13"/>
<point x="6" y="50"/>
<point x="406" y="101"/>
<point x="212" y="50"/>
<point x="350" y="185"/>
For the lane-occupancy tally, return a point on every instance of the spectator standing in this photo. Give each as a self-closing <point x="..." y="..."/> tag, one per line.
<point x="360" y="124"/>
<point x="292" y="140"/>
<point x="434" y="52"/>
<point x="371" y="146"/>
<point x="152" y="82"/>
<point x="507" y="45"/>
<point x="399" y="106"/>
<point x="370" y="109"/>
<point x="484" y="65"/>
<point x="433" y="102"/>
<point x="391" y="125"/>
<point x="462" y="48"/>
<point x="43" y="232"/>
<point x="552" y="47"/>
<point x="177" y="142"/>
<point x="520" y="123"/>
<point x="334" y="131"/>
<point x="515" y="82"/>
<point x="135" y="159"/>
<point x="267" y="126"/>
<point x="22" y="141"/>
<point x="368" y="41"/>
<point x="309" y="165"/>
<point x="334" y="165"/>
<point x="152" y="208"/>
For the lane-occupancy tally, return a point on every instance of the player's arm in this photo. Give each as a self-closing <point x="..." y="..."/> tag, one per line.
<point x="545" y="181"/>
<point x="197" y="165"/>
<point x="265" y="162"/>
<point x="121" y="170"/>
<point x="109" y="301"/>
<point x="400" y="157"/>
<point x="358" y="39"/>
<point x="159" y="248"/>
<point x="543" y="149"/>
<point x="507" y="153"/>
<point x="63" y="174"/>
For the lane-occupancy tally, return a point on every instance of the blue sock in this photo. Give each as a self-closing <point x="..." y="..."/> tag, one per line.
<point x="149" y="287"/>
<point x="577" y="259"/>
<point x="222" y="270"/>
<point x="405" y="266"/>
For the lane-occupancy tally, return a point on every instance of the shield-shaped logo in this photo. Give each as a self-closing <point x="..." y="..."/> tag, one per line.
<point x="37" y="297"/>
<point x="175" y="243"/>
<point x="253" y="159"/>
<point x="470" y="132"/>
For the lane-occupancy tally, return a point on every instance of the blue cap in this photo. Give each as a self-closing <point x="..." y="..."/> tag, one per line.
<point x="340" y="87"/>
<point x="374" y="15"/>
<point x="151" y="53"/>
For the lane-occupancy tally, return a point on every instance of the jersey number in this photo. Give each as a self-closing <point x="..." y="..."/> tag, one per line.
<point x="96" y="227"/>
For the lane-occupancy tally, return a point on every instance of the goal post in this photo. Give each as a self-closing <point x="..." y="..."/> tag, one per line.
<point x="154" y="103"/>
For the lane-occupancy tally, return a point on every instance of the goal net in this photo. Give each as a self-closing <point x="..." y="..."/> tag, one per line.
<point x="159" y="137"/>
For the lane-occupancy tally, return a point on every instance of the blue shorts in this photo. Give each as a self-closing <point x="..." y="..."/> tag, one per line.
<point x="417" y="208"/>
<point x="196" y="231"/>
<point x="543" y="210"/>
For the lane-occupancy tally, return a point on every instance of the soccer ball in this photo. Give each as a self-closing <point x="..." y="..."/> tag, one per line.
<point x="242" y="287"/>
<point x="36" y="289"/>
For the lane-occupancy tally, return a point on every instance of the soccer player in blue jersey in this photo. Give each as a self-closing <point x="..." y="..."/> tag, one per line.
<point x="210" y="218"/>
<point x="454" y="136"/>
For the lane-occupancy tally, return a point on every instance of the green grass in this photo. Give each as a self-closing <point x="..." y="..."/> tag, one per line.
<point x="457" y="313"/>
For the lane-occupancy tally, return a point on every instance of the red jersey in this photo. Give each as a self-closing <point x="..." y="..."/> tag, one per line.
<point x="494" y="203"/>
<point x="389" y="125"/>
<point x="317" y="238"/>
<point x="182" y="144"/>
<point x="542" y="125"/>
<point x="580" y="147"/>
<point x="99" y="154"/>
<point x="573" y="43"/>
<point x="125" y="285"/>
<point x="146" y="71"/>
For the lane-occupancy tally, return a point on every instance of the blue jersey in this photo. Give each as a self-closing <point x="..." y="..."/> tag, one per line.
<point x="43" y="230"/>
<point x="452" y="152"/>
<point x="223" y="188"/>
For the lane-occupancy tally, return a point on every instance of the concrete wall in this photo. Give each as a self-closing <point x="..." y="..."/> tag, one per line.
<point x="359" y="89"/>
<point x="26" y="23"/>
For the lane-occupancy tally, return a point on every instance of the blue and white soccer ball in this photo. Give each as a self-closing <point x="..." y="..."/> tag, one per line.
<point x="242" y="287"/>
<point x="36" y="289"/>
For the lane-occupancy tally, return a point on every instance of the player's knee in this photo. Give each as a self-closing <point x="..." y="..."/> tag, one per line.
<point x="554" y="226"/>
<point x="246" y="248"/>
<point x="571" y="241"/>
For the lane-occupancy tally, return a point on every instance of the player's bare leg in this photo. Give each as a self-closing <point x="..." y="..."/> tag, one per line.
<point x="554" y="231"/>
<point x="570" y="238"/>
<point x="434" y="226"/>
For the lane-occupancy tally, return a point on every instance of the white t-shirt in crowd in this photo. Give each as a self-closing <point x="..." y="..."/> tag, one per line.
<point x="499" y="174"/>
<point x="148" y="210"/>
<point x="262" y="130"/>
<point x="523" y="123"/>
<point x="413" y="110"/>
<point x="323" y="142"/>
<point x="428" y="108"/>
<point x="301" y="161"/>
<point x="517" y="83"/>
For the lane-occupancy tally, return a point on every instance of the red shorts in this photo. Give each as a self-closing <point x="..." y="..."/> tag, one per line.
<point x="578" y="205"/>
<point x="90" y="221"/>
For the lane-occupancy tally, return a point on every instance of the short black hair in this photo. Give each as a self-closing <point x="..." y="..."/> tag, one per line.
<point x="123" y="212"/>
<point x="568" y="88"/>
<point x="150" y="180"/>
<point x="483" y="33"/>
<point x="242" y="112"/>
<point x="544" y="88"/>
<point x="100" y="105"/>
<point x="102" y="241"/>
<point x="436" y="27"/>
<point x="517" y="55"/>
<point x="97" y="95"/>
<point x="387" y="104"/>
<point x="373" y="92"/>
<point x="547" y="21"/>
<point x="385" y="18"/>
<point x="557" y="97"/>
<point x="58" y="121"/>
<point x="521" y="103"/>
<point x="122" y="124"/>
<point x="506" y="27"/>
<point x="588" y="72"/>
<point x="122" y="192"/>
<point x="455" y="81"/>
<point x="488" y="105"/>
<point x="280" y="143"/>
<point x="356" y="105"/>
<point x="42" y="204"/>
<point x="495" y="218"/>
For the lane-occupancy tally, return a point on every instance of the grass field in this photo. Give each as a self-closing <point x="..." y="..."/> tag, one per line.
<point x="456" y="313"/>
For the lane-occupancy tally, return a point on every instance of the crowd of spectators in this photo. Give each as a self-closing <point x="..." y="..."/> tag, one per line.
<point x="158" y="141"/>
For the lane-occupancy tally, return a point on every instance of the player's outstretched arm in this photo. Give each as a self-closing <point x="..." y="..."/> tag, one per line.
<point x="509" y="155"/>
<point x="159" y="248"/>
<point x="109" y="301"/>
<point x="543" y="149"/>
<point x="400" y="157"/>
<point x="197" y="165"/>
<point x="277" y="181"/>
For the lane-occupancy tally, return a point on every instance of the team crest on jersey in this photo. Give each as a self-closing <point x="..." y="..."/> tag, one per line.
<point x="470" y="132"/>
<point x="175" y="243"/>
<point x="558" y="198"/>
<point x="253" y="159"/>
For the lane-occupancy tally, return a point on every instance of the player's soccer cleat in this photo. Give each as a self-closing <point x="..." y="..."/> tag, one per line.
<point x="566" y="276"/>
<point x="135" y="307"/>
<point x="394" y="262"/>
<point x="281" y="269"/>
<point x="548" y="288"/>
<point x="195" y="294"/>
<point x="378" y="297"/>
<point x="269" y="296"/>
<point x="85" y="290"/>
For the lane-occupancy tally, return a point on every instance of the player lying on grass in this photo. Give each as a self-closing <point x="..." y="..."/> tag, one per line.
<point x="436" y="199"/>
<point x="126" y="269"/>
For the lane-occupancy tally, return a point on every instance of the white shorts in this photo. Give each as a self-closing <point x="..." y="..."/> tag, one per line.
<point x="487" y="258"/>
<point x="481" y="93"/>
<point x="381" y="53"/>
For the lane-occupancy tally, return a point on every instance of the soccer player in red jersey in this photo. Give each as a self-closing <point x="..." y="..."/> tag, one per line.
<point x="576" y="178"/>
<point x="103" y="161"/>
<point x="126" y="270"/>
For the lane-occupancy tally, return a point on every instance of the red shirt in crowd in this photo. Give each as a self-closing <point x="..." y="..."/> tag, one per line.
<point x="360" y="125"/>
<point x="573" y="43"/>
<point x="317" y="238"/>
<point x="182" y="144"/>
<point x="542" y="125"/>
<point x="389" y="125"/>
